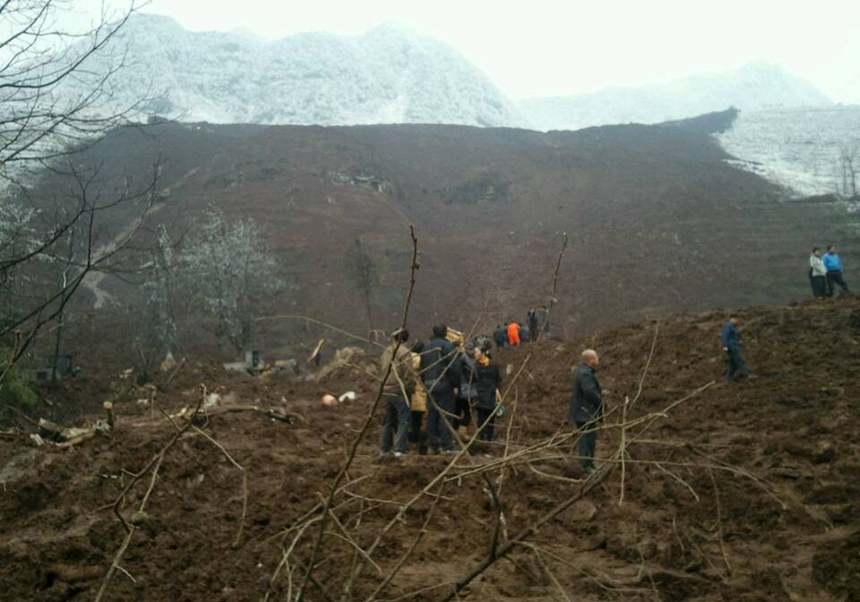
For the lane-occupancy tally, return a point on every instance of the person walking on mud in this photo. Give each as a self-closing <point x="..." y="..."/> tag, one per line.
<point x="817" y="274"/>
<point x="513" y="333"/>
<point x="500" y="336"/>
<point x="586" y="408"/>
<point x="533" y="325"/>
<point x="833" y="265"/>
<point x="418" y="403"/>
<point x="736" y="367"/>
<point x="487" y="382"/>
<point x="466" y="393"/>
<point x="396" y="361"/>
<point x="441" y="377"/>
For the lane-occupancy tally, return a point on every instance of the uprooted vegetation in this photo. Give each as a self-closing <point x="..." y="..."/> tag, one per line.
<point x="706" y="491"/>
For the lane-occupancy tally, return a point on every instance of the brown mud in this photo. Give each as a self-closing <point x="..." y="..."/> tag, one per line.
<point x="747" y="491"/>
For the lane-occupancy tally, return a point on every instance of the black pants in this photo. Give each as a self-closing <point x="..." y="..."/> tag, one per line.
<point x="464" y="413"/>
<point x="441" y="402"/>
<point x="735" y="365"/>
<point x="587" y="444"/>
<point x="417" y="419"/>
<point x="533" y="333"/>
<point x="395" y="428"/>
<point x="488" y="419"/>
<point x="819" y="286"/>
<point x="835" y="278"/>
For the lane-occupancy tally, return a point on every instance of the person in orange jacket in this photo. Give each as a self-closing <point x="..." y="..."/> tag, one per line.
<point x="514" y="333"/>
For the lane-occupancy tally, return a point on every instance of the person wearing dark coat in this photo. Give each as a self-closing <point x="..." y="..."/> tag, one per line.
<point x="586" y="408"/>
<point x="441" y="376"/>
<point x="466" y="393"/>
<point x="500" y="336"/>
<point x="736" y="367"/>
<point x="533" y="325"/>
<point x="487" y="382"/>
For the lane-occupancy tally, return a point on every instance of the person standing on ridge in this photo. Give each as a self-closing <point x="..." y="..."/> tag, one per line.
<point x="586" y="408"/>
<point x="513" y="333"/>
<point x="396" y="362"/>
<point x="736" y="367"/>
<point x="441" y="377"/>
<point x="487" y="383"/>
<point x="833" y="265"/>
<point x="817" y="274"/>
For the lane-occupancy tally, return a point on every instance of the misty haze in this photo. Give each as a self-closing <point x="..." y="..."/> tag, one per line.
<point x="378" y="302"/>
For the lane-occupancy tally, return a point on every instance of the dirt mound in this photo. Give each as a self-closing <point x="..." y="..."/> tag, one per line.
<point x="744" y="491"/>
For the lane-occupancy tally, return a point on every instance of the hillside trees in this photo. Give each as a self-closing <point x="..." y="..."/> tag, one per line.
<point x="230" y="271"/>
<point x="848" y="164"/>
<point x="363" y="272"/>
<point x="49" y="240"/>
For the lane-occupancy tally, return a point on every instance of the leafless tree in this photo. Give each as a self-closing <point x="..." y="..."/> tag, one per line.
<point x="54" y="102"/>
<point x="365" y="275"/>
<point x="231" y="270"/>
<point x="848" y="163"/>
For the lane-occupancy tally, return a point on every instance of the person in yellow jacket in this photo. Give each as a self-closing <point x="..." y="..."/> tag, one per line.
<point x="418" y="405"/>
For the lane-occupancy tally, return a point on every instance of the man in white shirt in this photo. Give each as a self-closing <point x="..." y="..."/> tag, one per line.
<point x="817" y="274"/>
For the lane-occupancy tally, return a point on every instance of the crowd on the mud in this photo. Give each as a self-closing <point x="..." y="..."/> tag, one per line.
<point x="436" y="390"/>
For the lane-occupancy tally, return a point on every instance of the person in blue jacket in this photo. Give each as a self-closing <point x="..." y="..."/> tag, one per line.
<point x="833" y="265"/>
<point x="736" y="367"/>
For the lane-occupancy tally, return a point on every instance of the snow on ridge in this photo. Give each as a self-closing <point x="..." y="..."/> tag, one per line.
<point x="387" y="75"/>
<point x="795" y="147"/>
<point x="753" y="86"/>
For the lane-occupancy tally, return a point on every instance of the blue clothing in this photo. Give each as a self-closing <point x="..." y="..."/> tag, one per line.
<point x="730" y="337"/>
<point x="832" y="262"/>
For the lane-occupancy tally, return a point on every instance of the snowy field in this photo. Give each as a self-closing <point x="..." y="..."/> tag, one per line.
<point x="798" y="148"/>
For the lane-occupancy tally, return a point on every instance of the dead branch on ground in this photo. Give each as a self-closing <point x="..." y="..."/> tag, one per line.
<point x="154" y="465"/>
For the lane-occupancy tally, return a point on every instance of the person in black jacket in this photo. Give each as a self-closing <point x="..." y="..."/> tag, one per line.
<point x="500" y="336"/>
<point x="533" y="325"/>
<point x="487" y="381"/>
<point x="441" y="376"/>
<point x="586" y="407"/>
<point x="466" y="394"/>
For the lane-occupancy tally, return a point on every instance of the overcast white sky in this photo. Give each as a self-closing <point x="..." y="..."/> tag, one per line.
<point x="545" y="48"/>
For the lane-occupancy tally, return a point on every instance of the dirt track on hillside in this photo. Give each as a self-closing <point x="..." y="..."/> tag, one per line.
<point x="755" y="496"/>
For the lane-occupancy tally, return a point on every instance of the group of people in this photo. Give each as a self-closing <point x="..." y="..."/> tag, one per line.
<point x="515" y="333"/>
<point x="825" y="272"/>
<point x="442" y="382"/>
<point x="445" y="383"/>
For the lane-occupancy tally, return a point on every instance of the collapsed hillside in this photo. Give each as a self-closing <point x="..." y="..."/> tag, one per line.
<point x="745" y="491"/>
<point x="657" y="221"/>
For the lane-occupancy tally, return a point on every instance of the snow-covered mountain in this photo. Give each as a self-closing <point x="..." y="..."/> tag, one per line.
<point x="754" y="86"/>
<point x="387" y="75"/>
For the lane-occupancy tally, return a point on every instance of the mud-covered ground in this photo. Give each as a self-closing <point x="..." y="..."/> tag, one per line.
<point x="746" y="491"/>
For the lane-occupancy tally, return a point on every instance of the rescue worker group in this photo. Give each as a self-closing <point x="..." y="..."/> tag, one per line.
<point x="448" y="378"/>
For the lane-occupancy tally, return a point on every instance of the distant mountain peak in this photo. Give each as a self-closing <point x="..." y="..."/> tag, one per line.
<point x="752" y="86"/>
